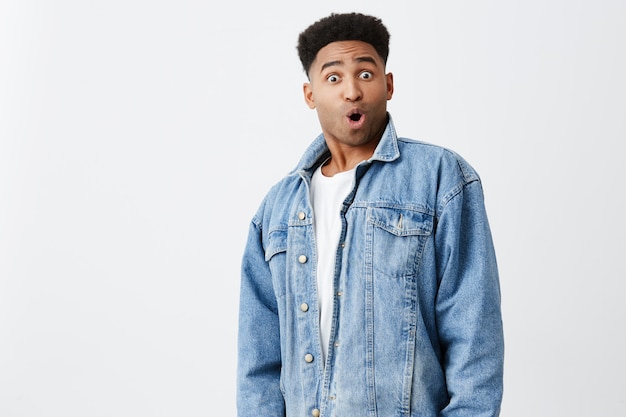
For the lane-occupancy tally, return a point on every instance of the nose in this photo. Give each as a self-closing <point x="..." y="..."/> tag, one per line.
<point x="352" y="91"/>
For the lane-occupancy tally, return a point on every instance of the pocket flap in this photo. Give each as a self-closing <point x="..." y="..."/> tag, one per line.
<point x="277" y="242"/>
<point x="400" y="221"/>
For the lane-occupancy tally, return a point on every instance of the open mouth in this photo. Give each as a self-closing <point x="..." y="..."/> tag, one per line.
<point x="356" y="118"/>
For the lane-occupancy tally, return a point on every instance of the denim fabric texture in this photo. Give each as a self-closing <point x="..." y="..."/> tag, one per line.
<point x="417" y="327"/>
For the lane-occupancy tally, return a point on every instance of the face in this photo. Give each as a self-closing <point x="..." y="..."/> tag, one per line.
<point x="349" y="89"/>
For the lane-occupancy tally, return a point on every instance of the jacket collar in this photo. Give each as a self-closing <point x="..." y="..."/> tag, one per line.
<point x="387" y="149"/>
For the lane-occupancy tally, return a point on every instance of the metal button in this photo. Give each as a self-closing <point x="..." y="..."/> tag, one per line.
<point x="302" y="259"/>
<point x="315" y="412"/>
<point x="308" y="358"/>
<point x="301" y="215"/>
<point x="304" y="307"/>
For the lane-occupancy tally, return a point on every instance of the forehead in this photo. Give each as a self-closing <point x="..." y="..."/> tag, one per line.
<point x="345" y="52"/>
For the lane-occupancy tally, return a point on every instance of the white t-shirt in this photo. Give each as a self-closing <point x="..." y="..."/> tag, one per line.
<point x="327" y="196"/>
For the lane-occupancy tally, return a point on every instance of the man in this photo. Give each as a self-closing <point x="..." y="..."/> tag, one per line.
<point x="369" y="281"/>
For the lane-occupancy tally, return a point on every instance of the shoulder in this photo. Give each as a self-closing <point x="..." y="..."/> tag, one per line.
<point x="445" y="161"/>
<point x="278" y="201"/>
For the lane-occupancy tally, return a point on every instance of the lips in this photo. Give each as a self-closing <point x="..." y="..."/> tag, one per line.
<point x="355" y="118"/>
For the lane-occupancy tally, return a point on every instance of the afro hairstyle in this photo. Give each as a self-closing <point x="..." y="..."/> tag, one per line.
<point x="342" y="27"/>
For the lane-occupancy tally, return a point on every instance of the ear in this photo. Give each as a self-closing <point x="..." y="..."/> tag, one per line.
<point x="308" y="95"/>
<point x="389" y="77"/>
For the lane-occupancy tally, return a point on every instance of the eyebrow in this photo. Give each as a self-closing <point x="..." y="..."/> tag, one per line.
<point x="358" y="59"/>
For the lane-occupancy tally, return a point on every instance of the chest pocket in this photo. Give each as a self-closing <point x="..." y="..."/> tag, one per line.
<point x="396" y="238"/>
<point x="277" y="242"/>
<point x="275" y="256"/>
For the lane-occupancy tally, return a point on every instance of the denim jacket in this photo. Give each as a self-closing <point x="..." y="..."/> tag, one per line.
<point x="416" y="329"/>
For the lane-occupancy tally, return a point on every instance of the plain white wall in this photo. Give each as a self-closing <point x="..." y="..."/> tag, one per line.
<point x="137" y="139"/>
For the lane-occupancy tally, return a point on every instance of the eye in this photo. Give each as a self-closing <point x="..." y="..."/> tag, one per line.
<point x="333" y="78"/>
<point x="365" y="75"/>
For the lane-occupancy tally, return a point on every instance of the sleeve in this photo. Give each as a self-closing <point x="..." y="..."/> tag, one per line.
<point x="259" y="359"/>
<point x="468" y="307"/>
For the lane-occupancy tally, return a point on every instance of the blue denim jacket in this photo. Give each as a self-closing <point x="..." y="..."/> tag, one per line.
<point x="417" y="327"/>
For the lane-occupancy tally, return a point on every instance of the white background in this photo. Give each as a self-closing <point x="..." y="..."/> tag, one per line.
<point x="138" y="137"/>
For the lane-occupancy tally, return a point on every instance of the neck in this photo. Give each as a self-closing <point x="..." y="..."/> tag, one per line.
<point x="341" y="162"/>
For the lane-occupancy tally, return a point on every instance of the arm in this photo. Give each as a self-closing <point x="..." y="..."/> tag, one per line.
<point x="259" y="361"/>
<point x="468" y="307"/>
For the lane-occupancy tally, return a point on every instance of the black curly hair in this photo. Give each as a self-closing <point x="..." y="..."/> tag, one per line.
<point x="342" y="27"/>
